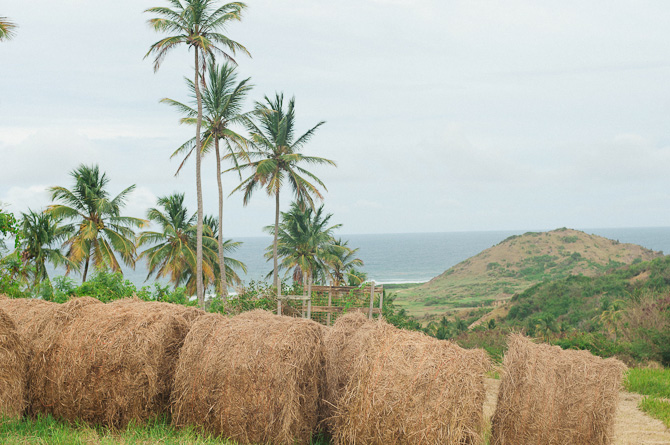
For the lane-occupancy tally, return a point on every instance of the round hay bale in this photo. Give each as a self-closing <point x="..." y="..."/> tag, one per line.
<point x="110" y="364"/>
<point x="189" y="313"/>
<point x="253" y="378"/>
<point x="386" y="385"/>
<point x="13" y="369"/>
<point x="28" y="314"/>
<point x="551" y="395"/>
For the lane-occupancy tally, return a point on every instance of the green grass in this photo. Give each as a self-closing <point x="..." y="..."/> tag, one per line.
<point x="46" y="430"/>
<point x="660" y="409"/>
<point x="655" y="384"/>
<point x="649" y="382"/>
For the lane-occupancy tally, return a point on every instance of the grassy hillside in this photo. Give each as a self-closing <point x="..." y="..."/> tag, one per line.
<point x="514" y="265"/>
<point x="624" y="312"/>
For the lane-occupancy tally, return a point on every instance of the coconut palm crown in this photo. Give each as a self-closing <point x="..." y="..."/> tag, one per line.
<point x="306" y="243"/>
<point x="99" y="231"/>
<point x="7" y="29"/>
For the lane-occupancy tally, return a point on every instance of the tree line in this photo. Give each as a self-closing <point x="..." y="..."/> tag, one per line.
<point x="84" y="226"/>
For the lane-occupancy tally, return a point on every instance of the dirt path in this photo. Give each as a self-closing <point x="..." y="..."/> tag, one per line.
<point x="632" y="426"/>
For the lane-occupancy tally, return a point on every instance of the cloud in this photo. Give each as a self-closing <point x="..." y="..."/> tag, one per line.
<point x="21" y="199"/>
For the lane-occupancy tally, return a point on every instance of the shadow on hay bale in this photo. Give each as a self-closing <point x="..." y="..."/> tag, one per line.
<point x="253" y="378"/>
<point x="13" y="369"/>
<point x="548" y="395"/>
<point x="386" y="385"/>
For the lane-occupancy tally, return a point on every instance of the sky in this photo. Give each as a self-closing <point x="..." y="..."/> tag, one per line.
<point x="441" y="115"/>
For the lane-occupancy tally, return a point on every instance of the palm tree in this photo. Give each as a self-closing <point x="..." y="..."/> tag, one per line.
<point x="276" y="159"/>
<point x="343" y="268"/>
<point x="6" y="29"/>
<point x="39" y="232"/>
<point x="222" y="101"/>
<point x="196" y="24"/>
<point x="97" y="227"/>
<point x="305" y="242"/>
<point x="232" y="265"/>
<point x="172" y="249"/>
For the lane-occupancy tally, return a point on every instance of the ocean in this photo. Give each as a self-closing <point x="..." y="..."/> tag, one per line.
<point x="418" y="257"/>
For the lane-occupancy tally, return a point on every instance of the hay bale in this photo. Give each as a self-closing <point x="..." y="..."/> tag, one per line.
<point x="28" y="315"/>
<point x="386" y="385"/>
<point x="13" y="369"/>
<point x="110" y="363"/>
<point x="189" y="313"/>
<point x="548" y="395"/>
<point x="253" y="378"/>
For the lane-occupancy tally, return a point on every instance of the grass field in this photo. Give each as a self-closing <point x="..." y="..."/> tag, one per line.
<point x="655" y="384"/>
<point x="47" y="431"/>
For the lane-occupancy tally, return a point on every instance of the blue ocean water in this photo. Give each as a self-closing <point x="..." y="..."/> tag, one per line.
<point x="418" y="257"/>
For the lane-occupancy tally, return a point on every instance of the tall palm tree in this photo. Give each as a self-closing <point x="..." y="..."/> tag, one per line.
<point x="305" y="242"/>
<point x="7" y="29"/>
<point x="222" y="100"/>
<point x="343" y="266"/>
<point x="172" y="251"/>
<point x="198" y="25"/>
<point x="39" y="233"/>
<point x="276" y="160"/>
<point x="97" y="226"/>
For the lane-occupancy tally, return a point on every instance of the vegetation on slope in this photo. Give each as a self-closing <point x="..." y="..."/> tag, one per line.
<point x="624" y="312"/>
<point x="516" y="264"/>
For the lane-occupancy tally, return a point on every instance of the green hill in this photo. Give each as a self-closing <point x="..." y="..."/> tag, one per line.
<point x="623" y="312"/>
<point x="514" y="265"/>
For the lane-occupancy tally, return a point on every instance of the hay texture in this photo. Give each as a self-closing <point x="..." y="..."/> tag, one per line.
<point x="390" y="386"/>
<point x="253" y="378"/>
<point x="189" y="313"/>
<point x="13" y="369"/>
<point x="551" y="396"/>
<point x="109" y="363"/>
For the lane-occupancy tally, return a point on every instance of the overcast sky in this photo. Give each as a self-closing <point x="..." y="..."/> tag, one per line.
<point x="442" y="115"/>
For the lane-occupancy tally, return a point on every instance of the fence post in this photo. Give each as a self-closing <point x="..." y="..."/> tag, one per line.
<point x="381" y="300"/>
<point x="330" y="303"/>
<point x="309" y="295"/>
<point x="372" y="298"/>
<point x="279" y="299"/>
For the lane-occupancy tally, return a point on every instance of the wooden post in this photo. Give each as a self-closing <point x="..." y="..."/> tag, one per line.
<point x="372" y="298"/>
<point x="309" y="295"/>
<point x="279" y="298"/>
<point x="304" y="293"/>
<point x="381" y="301"/>
<point x="330" y="302"/>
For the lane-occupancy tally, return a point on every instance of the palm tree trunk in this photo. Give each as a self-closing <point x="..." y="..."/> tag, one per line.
<point x="275" y="275"/>
<point x="83" y="280"/>
<point x="222" y="264"/>
<point x="199" y="285"/>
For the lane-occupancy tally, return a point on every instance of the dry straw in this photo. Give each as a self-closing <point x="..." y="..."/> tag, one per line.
<point x="551" y="396"/>
<point x="13" y="367"/>
<point x="112" y="363"/>
<point x="254" y="378"/>
<point x="390" y="386"/>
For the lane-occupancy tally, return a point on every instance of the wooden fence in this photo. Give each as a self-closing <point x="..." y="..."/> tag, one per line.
<point x="325" y="303"/>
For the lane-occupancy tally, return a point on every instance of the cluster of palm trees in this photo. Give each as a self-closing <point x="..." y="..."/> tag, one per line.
<point x="271" y="154"/>
<point x="190" y="249"/>
<point x="84" y="228"/>
<point x="307" y="248"/>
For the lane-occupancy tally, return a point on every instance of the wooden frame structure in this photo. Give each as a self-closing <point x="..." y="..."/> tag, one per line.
<point x="335" y="299"/>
